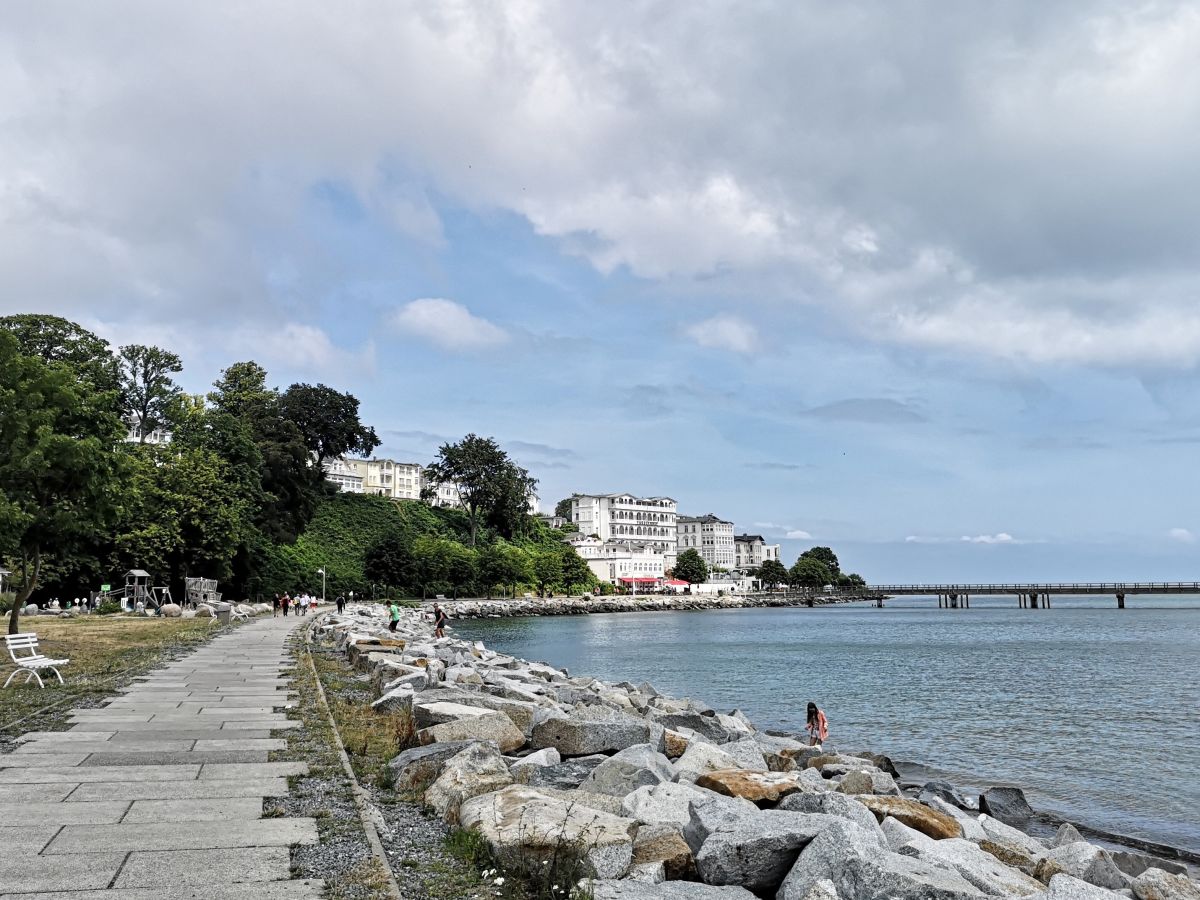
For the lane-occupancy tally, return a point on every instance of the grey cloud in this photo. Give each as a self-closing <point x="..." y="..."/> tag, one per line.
<point x="543" y="450"/>
<point x="778" y="466"/>
<point x="869" y="410"/>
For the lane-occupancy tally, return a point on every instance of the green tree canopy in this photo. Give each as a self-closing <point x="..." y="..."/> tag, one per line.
<point x="504" y="564"/>
<point x="60" y="468"/>
<point x="576" y="573"/>
<point x="489" y="484"/>
<point x="547" y="569"/>
<point x="773" y="573"/>
<point x="690" y="567"/>
<point x="150" y="398"/>
<point x="562" y="508"/>
<point x="809" y="573"/>
<point x="53" y="339"/>
<point x="825" y="557"/>
<point x="328" y="423"/>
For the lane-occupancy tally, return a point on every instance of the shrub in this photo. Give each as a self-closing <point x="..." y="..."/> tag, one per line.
<point x="108" y="607"/>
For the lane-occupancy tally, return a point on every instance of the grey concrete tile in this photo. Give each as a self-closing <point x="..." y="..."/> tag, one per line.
<point x="130" y="740"/>
<point x="177" y="790"/>
<point x="241" y="744"/>
<point x="85" y="774"/>
<point x="252" y="770"/>
<point x="54" y="813"/>
<point x="259" y="833"/>
<point x="26" y="838"/>
<point x="65" y="737"/>
<point x="174" y="757"/>
<point x="29" y="874"/>
<point x="34" y="793"/>
<point x="223" y="810"/>
<point x="56" y="760"/>
<point x="309" y="889"/>
<point x="149" y="745"/>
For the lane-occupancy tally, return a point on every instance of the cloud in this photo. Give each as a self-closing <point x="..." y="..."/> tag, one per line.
<point x="725" y="333"/>
<point x="1182" y="535"/>
<point x="447" y="324"/>
<point x="798" y="534"/>
<point x="777" y="466"/>
<point x="298" y="349"/>
<point x="1001" y="537"/>
<point x="542" y="450"/>
<point x="868" y="410"/>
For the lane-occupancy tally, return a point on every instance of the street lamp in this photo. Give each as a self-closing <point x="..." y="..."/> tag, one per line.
<point x="321" y="572"/>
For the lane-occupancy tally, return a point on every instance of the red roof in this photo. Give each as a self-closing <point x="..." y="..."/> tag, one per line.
<point x="675" y="582"/>
<point x="655" y="580"/>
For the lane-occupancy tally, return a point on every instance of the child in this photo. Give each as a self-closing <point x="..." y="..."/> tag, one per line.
<point x="817" y="726"/>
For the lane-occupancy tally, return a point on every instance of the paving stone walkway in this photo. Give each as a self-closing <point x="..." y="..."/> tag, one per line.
<point x="159" y="794"/>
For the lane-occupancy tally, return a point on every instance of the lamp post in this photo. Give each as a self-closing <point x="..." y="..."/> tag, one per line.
<point x="321" y="572"/>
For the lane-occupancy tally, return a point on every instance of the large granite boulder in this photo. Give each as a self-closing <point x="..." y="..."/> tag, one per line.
<point x="707" y="726"/>
<point x="944" y="791"/>
<point x="976" y="866"/>
<point x="628" y="770"/>
<point x="1007" y="803"/>
<point x="1134" y="864"/>
<point x="588" y="730"/>
<point x="764" y="789"/>
<point x="1064" y="887"/>
<point x="1081" y="860"/>
<point x="491" y="726"/>
<point x="972" y="830"/>
<point x="564" y="775"/>
<point x="670" y="804"/>
<point x="171" y="610"/>
<point x="663" y="846"/>
<point x="1011" y="846"/>
<point x="781" y="753"/>
<point x="913" y="814"/>
<point x="678" y="890"/>
<point x="832" y="804"/>
<point x="702" y="758"/>
<point x="396" y="700"/>
<point x="852" y="859"/>
<point x="479" y="769"/>
<point x="525" y="828"/>
<point x="1155" y="884"/>
<point x="437" y="712"/>
<point x="757" y="850"/>
<point x="415" y="769"/>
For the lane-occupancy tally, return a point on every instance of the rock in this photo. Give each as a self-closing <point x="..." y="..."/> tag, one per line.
<point x="675" y="743"/>
<point x="757" y="850"/>
<point x="846" y="763"/>
<point x="702" y="758"/>
<point x="1007" y="803"/>
<point x="416" y="769"/>
<point x="748" y="754"/>
<point x="204" y="611"/>
<point x="1064" y="887"/>
<point x="1134" y="864"/>
<point x="1156" y="884"/>
<point x="1081" y="860"/>
<point x="546" y="757"/>
<point x="664" y="844"/>
<point x="976" y="866"/>
<point x="972" y="830"/>
<point x="822" y="890"/>
<point x="858" y="867"/>
<point x="857" y="782"/>
<point x="588" y="730"/>
<point x="832" y="804"/>
<point x="31" y="609"/>
<point x="524" y="828"/>
<point x="439" y="712"/>
<point x="491" y="726"/>
<point x="628" y="770"/>
<point x="479" y="769"/>
<point x="837" y="770"/>
<point x="897" y="835"/>
<point x="670" y="804"/>
<point x="1011" y="846"/>
<point x="945" y="791"/>
<point x="684" y="890"/>
<point x="566" y="775"/>
<point x="1066" y="834"/>
<point x="913" y="814"/>
<point x="600" y="802"/>
<point x="171" y="610"/>
<point x="398" y="700"/>
<point x="761" y="788"/>
<point x="779" y="752"/>
<point x="707" y="726"/>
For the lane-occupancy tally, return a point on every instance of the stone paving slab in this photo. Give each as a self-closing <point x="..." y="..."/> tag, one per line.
<point x="213" y="788"/>
<point x="204" y="867"/>
<point x="99" y="773"/>
<point x="53" y="761"/>
<point x="65" y="737"/>
<point x="130" y="728"/>
<point x="30" y="838"/>
<point x="98" y="813"/>
<point x="149" y="746"/>
<point x="133" y="739"/>
<point x="180" y="757"/>
<point x="252" y="770"/>
<point x="34" y="793"/>
<point x="81" y="839"/>
<point x="28" y="874"/>
<point x="241" y="744"/>
<point x="223" y="810"/>
<point x="262" y="890"/>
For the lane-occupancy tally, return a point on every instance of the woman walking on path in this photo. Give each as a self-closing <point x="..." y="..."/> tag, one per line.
<point x="394" y="612"/>
<point x="286" y="601"/>
<point x="817" y="726"/>
<point x="275" y="607"/>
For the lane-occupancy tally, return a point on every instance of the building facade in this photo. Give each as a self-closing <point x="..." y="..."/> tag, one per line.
<point x="621" y="563"/>
<point x="750" y="551"/>
<point x="625" y="518"/>
<point x="710" y="536"/>
<point x="387" y="478"/>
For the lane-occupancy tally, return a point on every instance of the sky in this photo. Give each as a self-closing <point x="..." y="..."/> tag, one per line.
<point x="918" y="281"/>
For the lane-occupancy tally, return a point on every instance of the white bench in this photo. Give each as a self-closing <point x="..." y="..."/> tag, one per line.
<point x="23" y="648"/>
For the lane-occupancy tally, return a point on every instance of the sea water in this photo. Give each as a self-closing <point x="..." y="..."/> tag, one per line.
<point x="1094" y="711"/>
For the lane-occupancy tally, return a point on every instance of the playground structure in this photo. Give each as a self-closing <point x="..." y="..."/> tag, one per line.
<point x="201" y="590"/>
<point x="138" y="593"/>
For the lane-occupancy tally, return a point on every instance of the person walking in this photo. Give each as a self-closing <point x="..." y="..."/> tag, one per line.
<point x="817" y="726"/>
<point x="394" y="613"/>
<point x="302" y="605"/>
<point x="275" y="607"/>
<point x="285" y="602"/>
<point x="341" y="603"/>
<point x="439" y="621"/>
<point x="312" y="604"/>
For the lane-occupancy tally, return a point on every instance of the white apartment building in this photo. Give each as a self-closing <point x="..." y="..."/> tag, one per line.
<point x="387" y="478"/>
<point x="345" y="476"/>
<point x="750" y="551"/>
<point x="708" y="535"/>
<point x="624" y="517"/>
<point x="628" y="564"/>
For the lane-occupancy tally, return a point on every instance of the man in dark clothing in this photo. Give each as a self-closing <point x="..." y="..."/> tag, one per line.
<point x="341" y="602"/>
<point x="439" y="621"/>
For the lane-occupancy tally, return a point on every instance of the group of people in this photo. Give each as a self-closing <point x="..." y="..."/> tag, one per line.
<point x="440" y="618"/>
<point x="301" y="604"/>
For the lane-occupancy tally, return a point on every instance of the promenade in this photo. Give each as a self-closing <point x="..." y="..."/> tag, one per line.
<point x="159" y="794"/>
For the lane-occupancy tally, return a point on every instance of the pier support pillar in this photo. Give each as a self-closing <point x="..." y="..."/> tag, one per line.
<point x="953" y="601"/>
<point x="1020" y="601"/>
<point x="967" y="601"/>
<point x="1033" y="599"/>
<point x="1046" y="600"/>
<point x="879" y="603"/>
<point x="1121" y="600"/>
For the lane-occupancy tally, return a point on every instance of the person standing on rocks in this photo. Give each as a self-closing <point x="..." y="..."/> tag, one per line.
<point x="394" y="612"/>
<point x="439" y="621"/>
<point x="817" y="726"/>
<point x="341" y="603"/>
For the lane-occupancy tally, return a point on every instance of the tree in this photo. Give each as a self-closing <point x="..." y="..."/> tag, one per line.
<point x="547" y="569"/>
<point x="809" y="574"/>
<point x="149" y="396"/>
<point x="575" y="570"/>
<point x="502" y="563"/>
<point x="487" y="481"/>
<point x="825" y="557"/>
<point x="690" y="567"/>
<point x="562" y="508"/>
<point x="387" y="562"/>
<point x="60" y="468"/>
<point x="328" y="423"/>
<point x="56" y="340"/>
<point x="773" y="573"/>
<point x="461" y="566"/>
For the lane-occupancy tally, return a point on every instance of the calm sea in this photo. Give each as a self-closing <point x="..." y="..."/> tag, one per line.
<point x="1095" y="712"/>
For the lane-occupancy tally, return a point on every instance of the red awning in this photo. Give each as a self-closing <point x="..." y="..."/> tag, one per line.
<point x="653" y="580"/>
<point x="675" y="582"/>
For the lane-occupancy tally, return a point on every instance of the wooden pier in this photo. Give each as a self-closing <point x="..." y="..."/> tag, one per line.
<point x="1032" y="596"/>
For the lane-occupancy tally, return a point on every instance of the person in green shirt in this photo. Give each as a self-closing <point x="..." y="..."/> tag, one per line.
<point x="394" y="611"/>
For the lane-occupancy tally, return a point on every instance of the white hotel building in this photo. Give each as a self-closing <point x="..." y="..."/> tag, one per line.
<point x="709" y="536"/>
<point x="625" y="518"/>
<point x="386" y="478"/>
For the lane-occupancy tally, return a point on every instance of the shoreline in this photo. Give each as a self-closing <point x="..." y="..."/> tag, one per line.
<point x="440" y="680"/>
<point x="581" y="606"/>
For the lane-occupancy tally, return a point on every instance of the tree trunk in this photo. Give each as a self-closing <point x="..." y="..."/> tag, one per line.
<point x="27" y="589"/>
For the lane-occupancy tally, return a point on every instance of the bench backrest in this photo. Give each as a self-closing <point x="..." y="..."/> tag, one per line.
<point x="26" y="644"/>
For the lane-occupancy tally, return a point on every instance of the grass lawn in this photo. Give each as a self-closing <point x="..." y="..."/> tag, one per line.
<point x="105" y="652"/>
